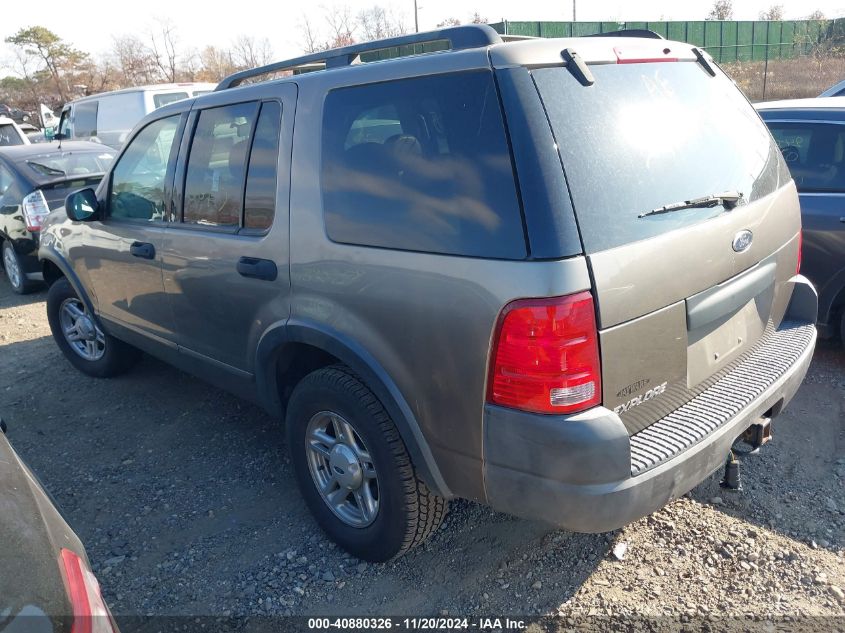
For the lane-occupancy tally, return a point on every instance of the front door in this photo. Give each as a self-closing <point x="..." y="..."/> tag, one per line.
<point x="122" y="254"/>
<point x="225" y="258"/>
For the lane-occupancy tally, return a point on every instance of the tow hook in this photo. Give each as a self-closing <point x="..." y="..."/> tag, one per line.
<point x="758" y="434"/>
<point x="731" y="480"/>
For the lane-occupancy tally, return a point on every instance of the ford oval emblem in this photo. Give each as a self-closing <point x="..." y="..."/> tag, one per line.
<point x="742" y="241"/>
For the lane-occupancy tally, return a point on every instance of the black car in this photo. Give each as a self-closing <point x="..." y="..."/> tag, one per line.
<point x="46" y="582"/>
<point x="34" y="180"/>
<point x="16" y="114"/>
<point x="811" y="136"/>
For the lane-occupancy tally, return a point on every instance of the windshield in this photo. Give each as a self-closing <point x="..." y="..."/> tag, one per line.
<point x="651" y="134"/>
<point x="66" y="164"/>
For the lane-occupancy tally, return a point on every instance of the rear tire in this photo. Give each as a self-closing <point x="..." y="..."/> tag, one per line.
<point x="83" y="343"/>
<point x="14" y="271"/>
<point x="385" y="510"/>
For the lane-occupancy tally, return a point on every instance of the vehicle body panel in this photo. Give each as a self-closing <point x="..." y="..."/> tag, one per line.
<point x="32" y="590"/>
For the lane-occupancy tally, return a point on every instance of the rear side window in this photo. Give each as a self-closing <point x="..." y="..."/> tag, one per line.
<point x="85" y="119"/>
<point x="260" y="196"/>
<point x="814" y="153"/>
<point x="421" y="164"/>
<point x="214" y="181"/>
<point x="645" y="135"/>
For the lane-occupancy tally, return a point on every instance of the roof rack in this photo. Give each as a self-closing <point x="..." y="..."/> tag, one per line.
<point x="645" y="33"/>
<point x="458" y="38"/>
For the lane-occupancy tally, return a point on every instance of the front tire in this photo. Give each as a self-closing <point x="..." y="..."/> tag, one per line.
<point x="81" y="340"/>
<point x="14" y="271"/>
<point x="353" y="468"/>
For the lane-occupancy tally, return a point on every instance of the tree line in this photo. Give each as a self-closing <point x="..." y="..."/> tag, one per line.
<point x="44" y="68"/>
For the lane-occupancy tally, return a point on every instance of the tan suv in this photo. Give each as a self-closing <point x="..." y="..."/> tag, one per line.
<point x="559" y="277"/>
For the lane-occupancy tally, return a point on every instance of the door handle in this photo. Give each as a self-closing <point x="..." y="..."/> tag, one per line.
<point x="143" y="250"/>
<point x="258" y="268"/>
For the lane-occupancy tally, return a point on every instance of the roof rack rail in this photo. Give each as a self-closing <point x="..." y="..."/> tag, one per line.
<point x="458" y="37"/>
<point x="646" y="33"/>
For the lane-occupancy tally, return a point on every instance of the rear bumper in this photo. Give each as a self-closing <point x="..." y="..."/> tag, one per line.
<point x="577" y="472"/>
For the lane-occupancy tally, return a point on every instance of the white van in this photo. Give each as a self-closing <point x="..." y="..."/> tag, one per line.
<point x="108" y="117"/>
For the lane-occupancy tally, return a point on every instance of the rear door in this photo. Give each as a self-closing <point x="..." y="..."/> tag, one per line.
<point x="679" y="295"/>
<point x="814" y="151"/>
<point x="225" y="256"/>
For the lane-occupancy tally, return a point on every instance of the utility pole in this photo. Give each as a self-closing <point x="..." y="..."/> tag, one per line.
<point x="573" y="10"/>
<point x="417" y="17"/>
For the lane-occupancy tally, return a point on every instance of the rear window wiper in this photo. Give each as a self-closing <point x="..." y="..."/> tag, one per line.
<point x="45" y="169"/>
<point x="728" y="199"/>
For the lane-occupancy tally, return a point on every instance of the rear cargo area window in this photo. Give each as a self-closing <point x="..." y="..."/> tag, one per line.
<point x="421" y="164"/>
<point x="645" y="135"/>
<point x="814" y="153"/>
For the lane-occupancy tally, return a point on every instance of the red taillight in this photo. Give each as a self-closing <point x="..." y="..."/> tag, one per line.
<point x="800" y="248"/>
<point x="90" y="614"/>
<point x="546" y="356"/>
<point x="35" y="209"/>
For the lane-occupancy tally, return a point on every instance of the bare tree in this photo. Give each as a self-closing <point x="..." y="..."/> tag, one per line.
<point x="773" y="14"/>
<point x="477" y="18"/>
<point x="378" y="23"/>
<point x="449" y="22"/>
<point x="341" y="26"/>
<point x="134" y="60"/>
<point x="215" y="63"/>
<point x="311" y="43"/>
<point x="818" y="14"/>
<point x="721" y="10"/>
<point x="163" y="45"/>
<point x="249" y="52"/>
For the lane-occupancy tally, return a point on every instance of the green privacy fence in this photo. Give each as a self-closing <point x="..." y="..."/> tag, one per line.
<point x="726" y="41"/>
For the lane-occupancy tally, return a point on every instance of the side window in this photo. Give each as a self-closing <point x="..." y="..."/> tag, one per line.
<point x="260" y="196"/>
<point x="421" y="164"/>
<point x="85" y="119"/>
<point x="138" y="179"/>
<point x="214" y="179"/>
<point x="814" y="153"/>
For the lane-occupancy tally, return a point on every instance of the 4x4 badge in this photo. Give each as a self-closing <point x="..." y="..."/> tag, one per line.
<point x="742" y="240"/>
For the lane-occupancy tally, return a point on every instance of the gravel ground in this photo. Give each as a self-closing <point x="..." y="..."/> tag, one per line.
<point x="185" y="499"/>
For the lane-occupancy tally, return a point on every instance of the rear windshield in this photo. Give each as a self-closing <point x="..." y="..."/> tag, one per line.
<point x="9" y="135"/>
<point x="56" y="165"/>
<point x="168" y="97"/>
<point x="651" y="134"/>
<point x="814" y="153"/>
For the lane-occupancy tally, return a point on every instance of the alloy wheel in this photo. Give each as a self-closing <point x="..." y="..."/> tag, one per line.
<point x="80" y="331"/>
<point x="342" y="469"/>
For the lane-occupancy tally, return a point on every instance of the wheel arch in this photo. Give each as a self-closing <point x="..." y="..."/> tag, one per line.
<point x="283" y="341"/>
<point x="54" y="267"/>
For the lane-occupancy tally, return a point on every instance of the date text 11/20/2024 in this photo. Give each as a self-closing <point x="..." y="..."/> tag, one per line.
<point x="417" y="624"/>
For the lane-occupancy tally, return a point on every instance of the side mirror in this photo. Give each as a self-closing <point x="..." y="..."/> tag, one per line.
<point x="59" y="136"/>
<point x="82" y="205"/>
